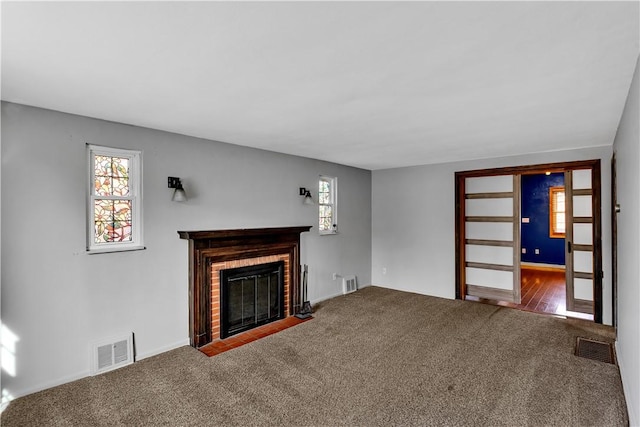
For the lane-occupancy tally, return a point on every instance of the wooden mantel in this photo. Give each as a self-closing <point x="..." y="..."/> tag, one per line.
<point x="209" y="246"/>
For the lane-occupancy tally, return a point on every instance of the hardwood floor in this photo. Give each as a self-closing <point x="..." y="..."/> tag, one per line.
<point x="542" y="291"/>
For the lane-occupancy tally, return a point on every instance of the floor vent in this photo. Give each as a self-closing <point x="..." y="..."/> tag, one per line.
<point x="349" y="284"/>
<point x="595" y="350"/>
<point x="111" y="353"/>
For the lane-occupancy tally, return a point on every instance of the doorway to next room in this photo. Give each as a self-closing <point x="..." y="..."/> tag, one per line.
<point x="528" y="238"/>
<point x="542" y="231"/>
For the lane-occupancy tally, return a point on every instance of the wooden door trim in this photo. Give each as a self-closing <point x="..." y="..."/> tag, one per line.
<point x="596" y="185"/>
<point x="596" y="214"/>
<point x="517" y="197"/>
<point x="460" y="252"/>
<point x="568" y="239"/>
<point x="614" y="242"/>
<point x="531" y="169"/>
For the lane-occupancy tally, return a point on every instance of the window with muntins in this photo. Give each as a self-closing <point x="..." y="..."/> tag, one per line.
<point x="557" y="226"/>
<point x="327" y="205"/>
<point x="114" y="209"/>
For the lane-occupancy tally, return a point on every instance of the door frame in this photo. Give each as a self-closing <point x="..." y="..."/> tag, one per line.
<point x="596" y="200"/>
<point x="614" y="242"/>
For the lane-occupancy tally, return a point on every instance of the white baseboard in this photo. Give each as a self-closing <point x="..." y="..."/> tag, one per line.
<point x="327" y="297"/>
<point x="50" y="384"/>
<point x="634" y="418"/>
<point x="43" y="386"/>
<point x="416" y="291"/>
<point x="162" y="349"/>
<point x="324" y="298"/>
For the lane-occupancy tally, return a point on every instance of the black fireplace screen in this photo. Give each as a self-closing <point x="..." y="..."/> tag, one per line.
<point x="251" y="296"/>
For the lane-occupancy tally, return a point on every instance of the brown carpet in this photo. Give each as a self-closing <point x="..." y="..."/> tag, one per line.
<point x="374" y="357"/>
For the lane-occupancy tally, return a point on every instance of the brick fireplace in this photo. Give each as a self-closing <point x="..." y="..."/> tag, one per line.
<point x="218" y="267"/>
<point x="213" y="251"/>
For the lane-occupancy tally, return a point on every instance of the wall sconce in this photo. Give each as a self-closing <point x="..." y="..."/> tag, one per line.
<point x="308" y="200"/>
<point x="178" y="195"/>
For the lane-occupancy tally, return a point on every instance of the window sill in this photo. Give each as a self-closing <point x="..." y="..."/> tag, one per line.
<point x="115" y="249"/>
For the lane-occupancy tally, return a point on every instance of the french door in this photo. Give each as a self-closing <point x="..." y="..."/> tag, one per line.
<point x="488" y="246"/>
<point x="581" y="230"/>
<point x="492" y="248"/>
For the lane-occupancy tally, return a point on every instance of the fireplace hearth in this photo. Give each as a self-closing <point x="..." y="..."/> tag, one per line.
<point x="213" y="251"/>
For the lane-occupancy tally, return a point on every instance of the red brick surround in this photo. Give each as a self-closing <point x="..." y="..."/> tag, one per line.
<point x="215" y="285"/>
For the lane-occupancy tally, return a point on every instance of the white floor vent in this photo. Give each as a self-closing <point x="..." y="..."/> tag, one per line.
<point x="111" y="353"/>
<point x="349" y="284"/>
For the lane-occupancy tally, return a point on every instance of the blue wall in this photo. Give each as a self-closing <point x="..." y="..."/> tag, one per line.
<point x="535" y="206"/>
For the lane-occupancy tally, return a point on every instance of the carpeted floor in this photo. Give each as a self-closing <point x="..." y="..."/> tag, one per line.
<point x="374" y="357"/>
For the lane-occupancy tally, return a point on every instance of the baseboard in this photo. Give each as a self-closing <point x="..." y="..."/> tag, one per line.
<point x="324" y="298"/>
<point x="416" y="291"/>
<point x="318" y="300"/>
<point x="163" y="349"/>
<point x="634" y="417"/>
<point x="43" y="386"/>
<point x="50" y="384"/>
<point x="543" y="267"/>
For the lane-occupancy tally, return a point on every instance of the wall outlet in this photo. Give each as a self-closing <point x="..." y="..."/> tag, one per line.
<point x="384" y="270"/>
<point x="525" y="220"/>
<point x="537" y="251"/>
<point x="524" y="250"/>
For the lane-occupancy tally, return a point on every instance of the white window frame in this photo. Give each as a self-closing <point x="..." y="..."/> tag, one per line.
<point x="333" y="202"/>
<point x="554" y="211"/>
<point x="135" y="190"/>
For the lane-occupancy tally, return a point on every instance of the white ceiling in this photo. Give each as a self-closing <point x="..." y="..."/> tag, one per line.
<point x="368" y="84"/>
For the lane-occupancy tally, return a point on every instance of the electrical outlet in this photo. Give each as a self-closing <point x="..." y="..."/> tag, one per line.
<point x="384" y="270"/>
<point x="524" y="250"/>
<point x="537" y="251"/>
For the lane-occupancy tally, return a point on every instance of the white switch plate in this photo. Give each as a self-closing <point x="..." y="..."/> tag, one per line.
<point x="524" y="250"/>
<point x="537" y="251"/>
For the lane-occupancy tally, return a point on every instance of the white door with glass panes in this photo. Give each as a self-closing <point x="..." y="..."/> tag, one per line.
<point x="579" y="253"/>
<point x="492" y="262"/>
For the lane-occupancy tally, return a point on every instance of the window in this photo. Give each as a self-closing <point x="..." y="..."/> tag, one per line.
<point x="114" y="208"/>
<point x="327" y="205"/>
<point x="556" y="212"/>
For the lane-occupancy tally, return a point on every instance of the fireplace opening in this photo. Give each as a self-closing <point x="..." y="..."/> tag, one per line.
<point x="251" y="296"/>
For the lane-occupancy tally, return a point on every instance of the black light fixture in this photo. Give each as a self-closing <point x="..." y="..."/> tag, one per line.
<point x="308" y="200"/>
<point x="178" y="195"/>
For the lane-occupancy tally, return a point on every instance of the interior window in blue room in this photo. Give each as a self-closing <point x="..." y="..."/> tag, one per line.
<point x="542" y="225"/>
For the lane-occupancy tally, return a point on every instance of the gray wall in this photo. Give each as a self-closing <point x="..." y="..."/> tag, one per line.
<point x="628" y="192"/>
<point x="414" y="227"/>
<point x="56" y="299"/>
